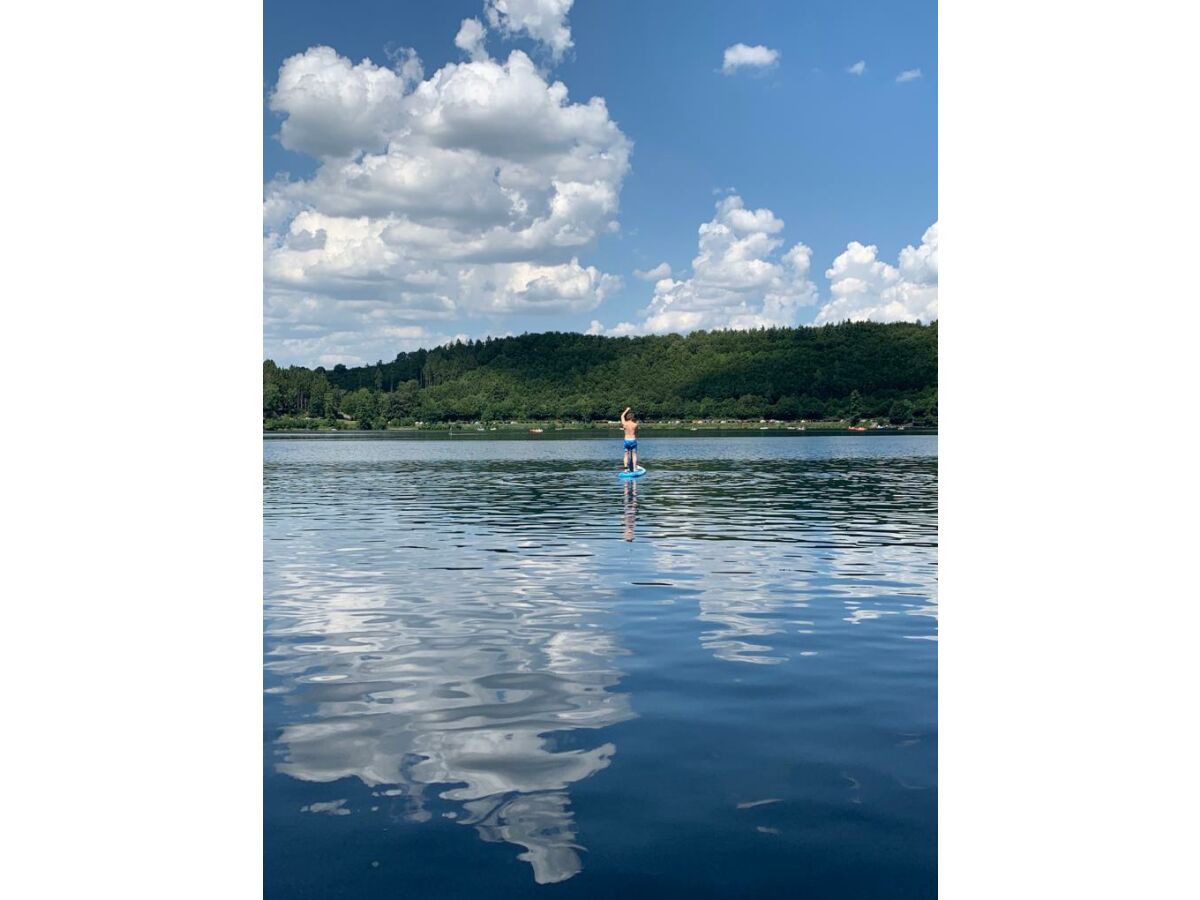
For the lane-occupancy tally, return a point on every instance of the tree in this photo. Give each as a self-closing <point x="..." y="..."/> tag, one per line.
<point x="270" y="398"/>
<point x="854" y="407"/>
<point x="359" y="405"/>
<point x="901" y="412"/>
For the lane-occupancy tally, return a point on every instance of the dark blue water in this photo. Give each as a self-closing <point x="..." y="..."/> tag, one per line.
<point x="495" y="670"/>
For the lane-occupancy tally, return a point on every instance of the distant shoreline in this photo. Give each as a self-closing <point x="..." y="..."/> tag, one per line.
<point x="601" y="431"/>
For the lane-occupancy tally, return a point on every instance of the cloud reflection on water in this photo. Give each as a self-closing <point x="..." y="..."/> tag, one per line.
<point x="847" y="545"/>
<point x="467" y="692"/>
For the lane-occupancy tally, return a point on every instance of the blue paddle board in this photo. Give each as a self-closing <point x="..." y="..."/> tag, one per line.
<point x="636" y="473"/>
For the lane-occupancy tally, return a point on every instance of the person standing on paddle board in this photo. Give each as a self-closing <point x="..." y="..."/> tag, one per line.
<point x="629" y="423"/>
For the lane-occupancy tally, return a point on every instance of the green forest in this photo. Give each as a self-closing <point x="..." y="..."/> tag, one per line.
<point x="851" y="371"/>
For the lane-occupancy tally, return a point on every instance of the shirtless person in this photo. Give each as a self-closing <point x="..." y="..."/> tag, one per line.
<point x="629" y="423"/>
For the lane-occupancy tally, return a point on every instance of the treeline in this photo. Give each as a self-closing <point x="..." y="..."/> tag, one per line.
<point x="847" y="371"/>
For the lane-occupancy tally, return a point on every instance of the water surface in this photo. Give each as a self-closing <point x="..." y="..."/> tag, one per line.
<point x="495" y="670"/>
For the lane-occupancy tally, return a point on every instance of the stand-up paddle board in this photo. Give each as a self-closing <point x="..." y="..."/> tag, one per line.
<point x="636" y="473"/>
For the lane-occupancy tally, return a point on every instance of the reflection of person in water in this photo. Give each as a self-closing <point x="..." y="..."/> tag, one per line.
<point x="630" y="517"/>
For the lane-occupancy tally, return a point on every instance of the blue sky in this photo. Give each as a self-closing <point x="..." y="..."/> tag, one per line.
<point x="797" y="151"/>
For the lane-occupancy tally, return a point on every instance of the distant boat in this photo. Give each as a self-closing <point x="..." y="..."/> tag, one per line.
<point x="536" y="430"/>
<point x="857" y="428"/>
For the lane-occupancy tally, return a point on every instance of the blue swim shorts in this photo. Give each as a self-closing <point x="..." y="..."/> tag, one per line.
<point x="630" y="445"/>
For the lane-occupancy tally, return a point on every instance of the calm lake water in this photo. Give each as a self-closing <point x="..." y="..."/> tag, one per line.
<point x="494" y="670"/>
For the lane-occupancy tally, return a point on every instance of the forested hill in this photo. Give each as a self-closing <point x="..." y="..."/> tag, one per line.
<point x="850" y="370"/>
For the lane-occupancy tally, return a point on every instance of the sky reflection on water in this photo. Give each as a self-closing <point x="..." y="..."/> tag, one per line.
<point x="459" y="633"/>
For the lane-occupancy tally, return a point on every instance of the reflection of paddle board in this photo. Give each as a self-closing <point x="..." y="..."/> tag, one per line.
<point x="636" y="473"/>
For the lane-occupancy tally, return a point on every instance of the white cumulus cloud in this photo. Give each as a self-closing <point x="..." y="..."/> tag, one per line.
<point x="470" y="38"/>
<point x="741" y="56"/>
<point x="407" y="63"/>
<point x="471" y="192"/>
<point x="624" y="329"/>
<point x="858" y="68"/>
<point x="522" y="287"/>
<point x="864" y="287"/>
<point x="332" y="107"/>
<point x="543" y="20"/>
<point x="739" y="279"/>
<point x="908" y="75"/>
<point x="662" y="270"/>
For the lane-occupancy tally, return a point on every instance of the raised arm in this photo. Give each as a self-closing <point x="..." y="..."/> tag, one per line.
<point x="624" y="414"/>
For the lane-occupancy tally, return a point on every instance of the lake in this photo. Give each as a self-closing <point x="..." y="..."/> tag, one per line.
<point x="493" y="669"/>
